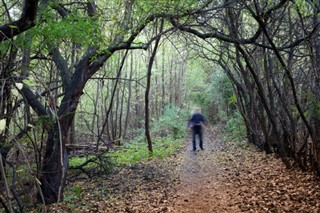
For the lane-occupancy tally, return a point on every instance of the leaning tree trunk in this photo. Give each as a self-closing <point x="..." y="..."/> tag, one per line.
<point x="150" y="64"/>
<point x="55" y="160"/>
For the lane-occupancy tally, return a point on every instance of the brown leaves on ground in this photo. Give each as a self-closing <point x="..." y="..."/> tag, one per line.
<point x="256" y="182"/>
<point x="263" y="184"/>
<point x="225" y="177"/>
<point x="145" y="187"/>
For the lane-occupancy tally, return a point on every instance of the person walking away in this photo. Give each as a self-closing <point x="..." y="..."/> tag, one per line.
<point x="196" y="124"/>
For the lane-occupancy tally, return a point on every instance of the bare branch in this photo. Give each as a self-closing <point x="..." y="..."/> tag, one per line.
<point x="26" y="21"/>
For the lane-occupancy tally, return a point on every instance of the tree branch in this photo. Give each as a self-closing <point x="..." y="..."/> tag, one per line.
<point x="26" y="21"/>
<point x="32" y="100"/>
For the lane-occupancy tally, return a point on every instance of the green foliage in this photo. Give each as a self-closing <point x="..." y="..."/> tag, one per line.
<point x="304" y="6"/>
<point x="171" y="122"/>
<point x="136" y="151"/>
<point x="218" y="97"/>
<point x="73" y="28"/>
<point x="73" y="194"/>
<point x="313" y="104"/>
<point x="77" y="191"/>
<point x="232" y="100"/>
<point x="168" y="134"/>
<point x="235" y="126"/>
<point x="4" y="47"/>
<point x="76" y="161"/>
<point x="165" y="6"/>
<point x="166" y="146"/>
<point x="196" y="82"/>
<point x="30" y="82"/>
<point x="131" y="153"/>
<point x="218" y="101"/>
<point x="224" y="101"/>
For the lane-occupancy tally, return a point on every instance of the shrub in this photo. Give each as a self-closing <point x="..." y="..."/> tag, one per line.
<point x="137" y="151"/>
<point x="173" y="122"/>
<point x="235" y="126"/>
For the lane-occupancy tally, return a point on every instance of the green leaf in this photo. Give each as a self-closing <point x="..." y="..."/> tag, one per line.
<point x="232" y="100"/>
<point x="29" y="82"/>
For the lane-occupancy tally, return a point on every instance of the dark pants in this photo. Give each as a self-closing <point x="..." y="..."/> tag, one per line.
<point x="197" y="130"/>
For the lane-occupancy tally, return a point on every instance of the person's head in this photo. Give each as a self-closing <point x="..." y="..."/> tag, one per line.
<point x="197" y="109"/>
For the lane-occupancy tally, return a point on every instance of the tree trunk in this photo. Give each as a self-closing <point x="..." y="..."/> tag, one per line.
<point x="127" y="120"/>
<point x="151" y="60"/>
<point x="55" y="166"/>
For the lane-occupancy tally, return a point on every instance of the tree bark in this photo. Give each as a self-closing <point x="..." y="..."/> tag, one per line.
<point x="149" y="70"/>
<point x="26" y="21"/>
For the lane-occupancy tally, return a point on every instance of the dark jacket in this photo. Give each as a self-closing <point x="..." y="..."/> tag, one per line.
<point x="197" y="119"/>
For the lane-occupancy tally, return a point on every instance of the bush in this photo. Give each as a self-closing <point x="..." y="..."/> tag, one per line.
<point x="235" y="126"/>
<point x="173" y="122"/>
<point x="137" y="151"/>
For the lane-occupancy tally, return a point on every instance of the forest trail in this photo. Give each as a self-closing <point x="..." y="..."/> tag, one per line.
<point x="201" y="188"/>
<point x="224" y="177"/>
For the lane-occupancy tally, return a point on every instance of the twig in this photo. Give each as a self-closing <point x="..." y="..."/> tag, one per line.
<point x="5" y="180"/>
<point x="6" y="208"/>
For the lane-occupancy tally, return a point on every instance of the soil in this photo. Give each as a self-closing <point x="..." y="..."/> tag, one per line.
<point x="202" y="187"/>
<point x="224" y="177"/>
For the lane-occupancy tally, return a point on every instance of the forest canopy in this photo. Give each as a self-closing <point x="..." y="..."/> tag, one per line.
<point x="100" y="74"/>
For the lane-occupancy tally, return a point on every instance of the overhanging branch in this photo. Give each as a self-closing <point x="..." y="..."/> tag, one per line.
<point x="26" y="21"/>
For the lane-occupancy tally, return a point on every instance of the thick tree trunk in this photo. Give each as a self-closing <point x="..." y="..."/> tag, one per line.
<point x="55" y="167"/>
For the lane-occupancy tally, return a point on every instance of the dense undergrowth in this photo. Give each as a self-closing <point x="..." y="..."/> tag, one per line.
<point x="131" y="153"/>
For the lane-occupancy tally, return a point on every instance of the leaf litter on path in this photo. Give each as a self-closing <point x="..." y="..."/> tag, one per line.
<point x="225" y="177"/>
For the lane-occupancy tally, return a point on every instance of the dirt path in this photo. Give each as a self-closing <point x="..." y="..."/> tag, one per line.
<point x="231" y="177"/>
<point x="202" y="188"/>
<point x="225" y="177"/>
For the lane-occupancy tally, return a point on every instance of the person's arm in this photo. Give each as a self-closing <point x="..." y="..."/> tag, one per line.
<point x="190" y="123"/>
<point x="203" y="122"/>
